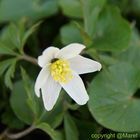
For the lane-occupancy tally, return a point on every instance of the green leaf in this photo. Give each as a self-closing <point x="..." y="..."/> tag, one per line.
<point x="32" y="100"/>
<point x="55" y="135"/>
<point x="112" y="31"/>
<point x="86" y="38"/>
<point x="30" y="9"/>
<point x="91" y="10"/>
<point x="107" y="59"/>
<point x="134" y="7"/>
<point x="10" y="74"/>
<point x="71" y="8"/>
<point x="70" y="33"/>
<point x="11" y="36"/>
<point x="86" y="128"/>
<point x="70" y="128"/>
<point x="132" y="54"/>
<point x="10" y="39"/>
<point x="14" y="37"/>
<point x="54" y="117"/>
<point x="112" y="102"/>
<point x="5" y="50"/>
<point x="7" y="67"/>
<point x="19" y="103"/>
<point x="9" y="119"/>
<point x="29" y="32"/>
<point x="5" y="64"/>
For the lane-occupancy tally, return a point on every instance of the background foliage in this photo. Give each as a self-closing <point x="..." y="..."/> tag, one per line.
<point x="110" y="31"/>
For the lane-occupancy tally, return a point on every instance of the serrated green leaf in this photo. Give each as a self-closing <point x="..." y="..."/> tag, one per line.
<point x="55" y="135"/>
<point x="71" y="130"/>
<point x="10" y="74"/>
<point x="54" y="117"/>
<point x="32" y="100"/>
<point x="111" y="98"/>
<point x="19" y="104"/>
<point x="91" y="11"/>
<point x="112" y="31"/>
<point x="29" y="32"/>
<point x="12" y="34"/>
<point x="14" y="37"/>
<point x="10" y="38"/>
<point x="71" y="8"/>
<point x="5" y="64"/>
<point x="5" y="50"/>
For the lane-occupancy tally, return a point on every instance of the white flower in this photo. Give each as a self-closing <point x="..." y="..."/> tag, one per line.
<point x="61" y="68"/>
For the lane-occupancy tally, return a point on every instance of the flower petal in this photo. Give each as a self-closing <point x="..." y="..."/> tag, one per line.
<point x="50" y="93"/>
<point x="70" y="50"/>
<point x="44" y="73"/>
<point x="83" y="65"/>
<point x="47" y="55"/>
<point x="76" y="90"/>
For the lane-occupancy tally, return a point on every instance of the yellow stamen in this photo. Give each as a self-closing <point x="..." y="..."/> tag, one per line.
<point x="60" y="71"/>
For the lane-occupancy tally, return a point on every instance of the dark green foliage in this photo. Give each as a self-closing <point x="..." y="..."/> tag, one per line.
<point x="111" y="35"/>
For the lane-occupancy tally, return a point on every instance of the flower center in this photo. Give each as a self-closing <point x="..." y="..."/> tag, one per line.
<point x="60" y="70"/>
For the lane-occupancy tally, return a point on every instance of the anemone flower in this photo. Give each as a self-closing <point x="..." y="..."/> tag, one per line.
<point x="61" y="69"/>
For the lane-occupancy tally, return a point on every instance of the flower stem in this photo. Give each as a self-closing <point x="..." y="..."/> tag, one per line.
<point x="3" y="134"/>
<point x="19" y="134"/>
<point x="28" y="58"/>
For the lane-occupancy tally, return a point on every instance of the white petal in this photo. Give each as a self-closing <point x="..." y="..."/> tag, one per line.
<point x="50" y="93"/>
<point x="76" y="90"/>
<point x="47" y="56"/>
<point x="43" y="75"/>
<point x="70" y="50"/>
<point x="83" y="65"/>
